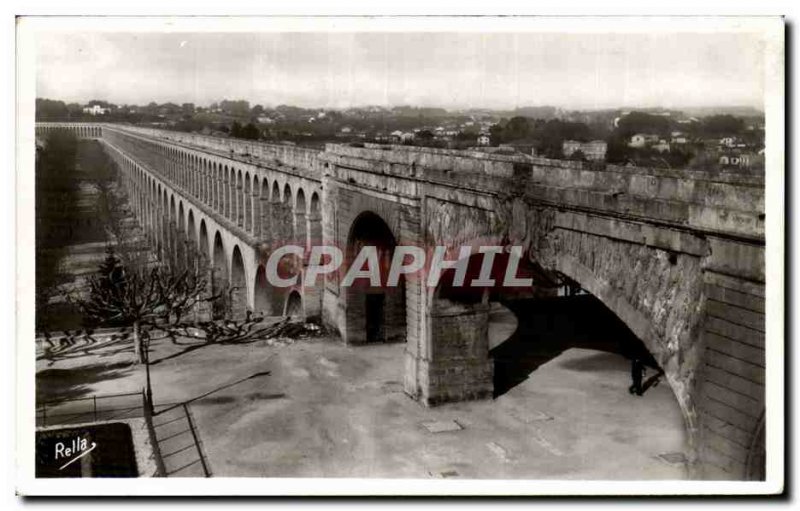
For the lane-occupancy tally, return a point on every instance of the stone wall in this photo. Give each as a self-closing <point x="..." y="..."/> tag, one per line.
<point x="458" y="366"/>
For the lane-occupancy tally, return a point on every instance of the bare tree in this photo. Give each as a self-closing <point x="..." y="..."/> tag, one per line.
<point x="156" y="297"/>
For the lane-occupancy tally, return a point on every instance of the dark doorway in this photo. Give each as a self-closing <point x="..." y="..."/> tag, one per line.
<point x="376" y="317"/>
<point x="375" y="311"/>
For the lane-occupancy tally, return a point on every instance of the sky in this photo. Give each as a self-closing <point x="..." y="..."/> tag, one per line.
<point x="453" y="70"/>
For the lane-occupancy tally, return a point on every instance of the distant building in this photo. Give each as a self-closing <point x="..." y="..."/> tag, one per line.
<point x="642" y="139"/>
<point x="662" y="146"/>
<point x="678" y="137"/>
<point x="594" y="150"/>
<point x="95" y="110"/>
<point x="737" y="159"/>
<point x="484" y="139"/>
<point x="263" y="119"/>
<point x="732" y="142"/>
<point x="407" y="136"/>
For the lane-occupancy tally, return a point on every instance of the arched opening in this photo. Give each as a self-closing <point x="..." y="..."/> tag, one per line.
<point x="203" y="242"/>
<point x="264" y="212"/>
<point x="278" y="216"/>
<point x="294" y="306"/>
<point x="230" y="193"/>
<point x="287" y="216"/>
<point x="314" y="221"/>
<point x="181" y="239"/>
<point x="248" y="204"/>
<point x="239" y="199"/>
<point x="220" y="283"/>
<point x="373" y="313"/>
<point x="300" y="228"/>
<point x="216" y="187"/>
<point x="191" y="238"/>
<point x="569" y="355"/>
<point x="238" y="284"/>
<point x="166" y="246"/>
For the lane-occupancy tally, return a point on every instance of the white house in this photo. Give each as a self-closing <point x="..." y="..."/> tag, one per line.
<point x="483" y="139"/>
<point x="594" y="150"/>
<point x="742" y="159"/>
<point x="662" y="146"/>
<point x="642" y="140"/>
<point x="95" y="110"/>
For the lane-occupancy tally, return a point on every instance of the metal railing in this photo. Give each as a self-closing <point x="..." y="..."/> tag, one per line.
<point x="196" y="440"/>
<point x="103" y="407"/>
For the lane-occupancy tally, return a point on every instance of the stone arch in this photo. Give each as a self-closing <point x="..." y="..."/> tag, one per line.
<point x="207" y="182"/>
<point x="278" y="217"/>
<point x="172" y="228"/>
<point x="286" y="215"/>
<point x="239" y="200"/>
<point x="314" y="221"/>
<point x="276" y="192"/>
<point x="248" y="204"/>
<point x="238" y="283"/>
<point x="228" y="195"/>
<point x="203" y="244"/>
<point x="287" y="194"/>
<point x="637" y="323"/>
<point x="220" y="281"/>
<point x="181" y="252"/>
<point x="255" y="206"/>
<point x="300" y="227"/>
<point x="265" y="211"/>
<point x="191" y="230"/>
<point x="216" y="184"/>
<point x="164" y="224"/>
<point x="181" y="217"/>
<point x="202" y="180"/>
<point x="294" y="305"/>
<point x="373" y="313"/>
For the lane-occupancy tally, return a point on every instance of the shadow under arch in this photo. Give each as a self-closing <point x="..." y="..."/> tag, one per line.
<point x="294" y="305"/>
<point x="238" y="284"/>
<point x="219" y="281"/>
<point x="639" y="325"/>
<point x="592" y="316"/>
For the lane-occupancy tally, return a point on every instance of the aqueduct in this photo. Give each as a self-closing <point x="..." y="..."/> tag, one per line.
<point x="677" y="255"/>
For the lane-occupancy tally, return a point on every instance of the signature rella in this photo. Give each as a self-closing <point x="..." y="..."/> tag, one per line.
<point x="406" y="261"/>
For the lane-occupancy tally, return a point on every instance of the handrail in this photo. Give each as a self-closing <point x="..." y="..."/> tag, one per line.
<point x="196" y="440"/>
<point x="93" y="396"/>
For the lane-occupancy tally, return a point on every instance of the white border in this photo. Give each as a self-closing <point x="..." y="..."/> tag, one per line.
<point x="25" y="357"/>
